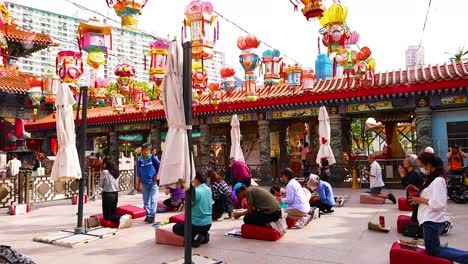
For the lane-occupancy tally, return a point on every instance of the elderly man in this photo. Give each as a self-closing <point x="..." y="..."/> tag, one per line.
<point x="326" y="198"/>
<point x="375" y="178"/>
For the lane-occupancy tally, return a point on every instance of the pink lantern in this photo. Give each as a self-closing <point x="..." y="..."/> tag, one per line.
<point x="201" y="20"/>
<point x="95" y="38"/>
<point x="69" y="66"/>
<point x="100" y="90"/>
<point x="308" y="80"/>
<point x="145" y="107"/>
<point x="138" y="93"/>
<point x="158" y="53"/>
<point x="118" y="101"/>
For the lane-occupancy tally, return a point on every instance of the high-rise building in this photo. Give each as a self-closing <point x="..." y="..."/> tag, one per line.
<point x="414" y="56"/>
<point x="127" y="46"/>
<point x="213" y="66"/>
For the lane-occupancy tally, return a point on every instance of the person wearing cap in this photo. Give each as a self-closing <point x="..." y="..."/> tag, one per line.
<point x="429" y="150"/>
<point x="262" y="207"/>
<point x="147" y="175"/>
<point x="326" y="198"/>
<point x="455" y="158"/>
<point x="297" y="205"/>
<point x="201" y="213"/>
<point x="375" y="178"/>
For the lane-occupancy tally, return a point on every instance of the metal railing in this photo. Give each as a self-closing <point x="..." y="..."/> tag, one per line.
<point x="24" y="188"/>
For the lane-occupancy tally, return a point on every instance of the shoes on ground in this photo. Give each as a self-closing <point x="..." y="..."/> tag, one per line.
<point x="305" y="220"/>
<point x="150" y="219"/>
<point x="207" y="239"/>
<point x="447" y="228"/>
<point x="125" y="221"/>
<point x="197" y="240"/>
<point x="181" y="207"/>
<point x="341" y="201"/>
<point x="392" y="198"/>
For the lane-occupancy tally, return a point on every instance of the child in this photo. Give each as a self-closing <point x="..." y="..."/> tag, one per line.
<point x="110" y="195"/>
<point x="176" y="200"/>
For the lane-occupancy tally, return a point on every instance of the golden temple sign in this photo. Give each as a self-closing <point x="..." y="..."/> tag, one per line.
<point x="377" y="106"/>
<point x="296" y="113"/>
<point x="227" y="119"/>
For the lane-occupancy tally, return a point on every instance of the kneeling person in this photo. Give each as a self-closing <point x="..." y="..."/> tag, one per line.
<point x="262" y="206"/>
<point x="201" y="213"/>
<point x="298" y="206"/>
<point x="326" y="198"/>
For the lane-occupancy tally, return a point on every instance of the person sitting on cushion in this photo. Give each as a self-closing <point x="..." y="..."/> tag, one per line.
<point x="326" y="198"/>
<point x="298" y="206"/>
<point x="176" y="199"/>
<point x="262" y="207"/>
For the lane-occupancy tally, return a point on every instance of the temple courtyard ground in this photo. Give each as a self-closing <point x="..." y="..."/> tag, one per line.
<point x="342" y="237"/>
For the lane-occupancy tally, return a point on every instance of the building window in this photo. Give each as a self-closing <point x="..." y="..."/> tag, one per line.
<point x="457" y="134"/>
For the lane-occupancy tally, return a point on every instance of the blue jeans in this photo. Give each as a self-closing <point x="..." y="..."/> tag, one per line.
<point x="431" y="233"/>
<point x="150" y="198"/>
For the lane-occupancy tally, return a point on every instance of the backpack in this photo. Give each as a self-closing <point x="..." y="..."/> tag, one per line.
<point x="412" y="230"/>
<point x="10" y="256"/>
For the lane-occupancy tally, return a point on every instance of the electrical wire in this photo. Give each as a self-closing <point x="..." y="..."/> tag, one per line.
<point x="425" y="22"/>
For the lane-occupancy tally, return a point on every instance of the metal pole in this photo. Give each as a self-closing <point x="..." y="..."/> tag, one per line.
<point x="187" y="96"/>
<point x="81" y="156"/>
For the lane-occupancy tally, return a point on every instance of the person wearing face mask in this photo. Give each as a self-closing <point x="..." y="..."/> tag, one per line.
<point x="433" y="207"/>
<point x="326" y="198"/>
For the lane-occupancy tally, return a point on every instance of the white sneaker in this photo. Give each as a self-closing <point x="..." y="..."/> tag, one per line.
<point x="305" y="221"/>
<point x="316" y="213"/>
<point x="125" y="221"/>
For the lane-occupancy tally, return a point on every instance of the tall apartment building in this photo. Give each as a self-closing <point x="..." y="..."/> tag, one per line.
<point x="213" y="66"/>
<point x="127" y="47"/>
<point x="414" y="56"/>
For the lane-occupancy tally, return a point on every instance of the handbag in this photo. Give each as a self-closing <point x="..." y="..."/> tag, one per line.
<point x="412" y="230"/>
<point x="8" y="172"/>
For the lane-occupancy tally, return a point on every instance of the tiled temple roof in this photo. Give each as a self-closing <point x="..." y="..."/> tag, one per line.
<point x="396" y="82"/>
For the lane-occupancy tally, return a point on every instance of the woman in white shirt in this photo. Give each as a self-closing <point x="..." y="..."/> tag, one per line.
<point x="432" y="208"/>
<point x="109" y="183"/>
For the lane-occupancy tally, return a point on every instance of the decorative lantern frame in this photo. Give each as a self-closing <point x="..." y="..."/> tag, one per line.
<point x="96" y="39"/>
<point x="249" y="61"/>
<point x="125" y="73"/>
<point x="68" y="66"/>
<point x="158" y="53"/>
<point x="229" y="83"/>
<point x="294" y="75"/>
<point x="128" y="11"/>
<point x="201" y="20"/>
<point x="271" y="62"/>
<point x="308" y="80"/>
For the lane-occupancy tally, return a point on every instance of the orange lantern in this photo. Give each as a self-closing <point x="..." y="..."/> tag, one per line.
<point x="311" y="9"/>
<point x="128" y="11"/>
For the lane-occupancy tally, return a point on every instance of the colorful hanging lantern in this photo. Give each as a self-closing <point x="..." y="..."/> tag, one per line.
<point x="35" y="92"/>
<point x="199" y="81"/>
<point x="50" y="88"/>
<point x="229" y="83"/>
<point x="347" y="58"/>
<point x="128" y="11"/>
<point x="145" y="106"/>
<point x="125" y="73"/>
<point x="3" y="54"/>
<point x="201" y="20"/>
<point x="308" y="80"/>
<point x="118" y="101"/>
<point x="68" y="66"/>
<point x="249" y="61"/>
<point x="158" y="53"/>
<point x="138" y="93"/>
<point x="294" y="75"/>
<point x="334" y="30"/>
<point x="215" y="94"/>
<point x="311" y="9"/>
<point x="364" y="75"/>
<point x="272" y="68"/>
<point x="100" y="90"/>
<point x="95" y="38"/>
<point x="4" y="14"/>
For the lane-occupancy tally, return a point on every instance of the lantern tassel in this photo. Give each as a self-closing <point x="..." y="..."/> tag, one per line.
<point x="144" y="61"/>
<point x="111" y="41"/>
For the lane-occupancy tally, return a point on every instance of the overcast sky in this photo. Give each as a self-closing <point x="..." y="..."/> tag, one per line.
<point x="386" y="27"/>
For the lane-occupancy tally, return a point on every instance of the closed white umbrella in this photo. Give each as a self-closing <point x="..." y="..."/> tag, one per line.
<point x="325" y="150"/>
<point x="175" y="161"/>
<point x="66" y="165"/>
<point x="236" y="150"/>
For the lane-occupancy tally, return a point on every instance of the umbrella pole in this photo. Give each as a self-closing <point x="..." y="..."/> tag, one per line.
<point x="187" y="96"/>
<point x="81" y="156"/>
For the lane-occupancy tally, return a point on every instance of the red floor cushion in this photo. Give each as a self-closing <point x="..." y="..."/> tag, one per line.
<point x="291" y="222"/>
<point x="134" y="211"/>
<point x="400" y="255"/>
<point x="178" y="218"/>
<point x="259" y="232"/>
<point x="403" y="205"/>
<point x="401" y="221"/>
<point x="366" y="198"/>
<point x="164" y="235"/>
<point x="105" y="223"/>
